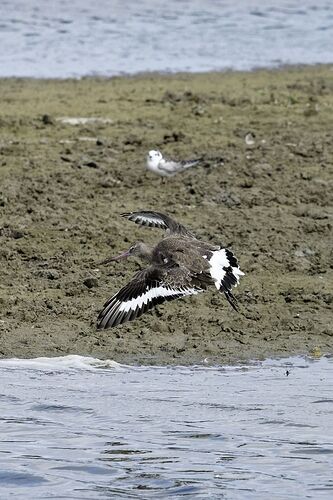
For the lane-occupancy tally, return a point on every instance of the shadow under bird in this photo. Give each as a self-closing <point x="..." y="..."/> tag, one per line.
<point x="179" y="265"/>
<point x="167" y="168"/>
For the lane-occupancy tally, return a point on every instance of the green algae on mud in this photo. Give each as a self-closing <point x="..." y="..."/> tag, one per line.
<point x="63" y="186"/>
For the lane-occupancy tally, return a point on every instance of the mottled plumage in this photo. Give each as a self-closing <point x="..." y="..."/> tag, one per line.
<point x="180" y="265"/>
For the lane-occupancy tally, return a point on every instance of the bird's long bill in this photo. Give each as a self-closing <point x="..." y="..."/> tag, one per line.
<point x="123" y="255"/>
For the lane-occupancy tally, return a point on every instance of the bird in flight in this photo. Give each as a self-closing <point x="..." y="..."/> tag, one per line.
<point x="179" y="265"/>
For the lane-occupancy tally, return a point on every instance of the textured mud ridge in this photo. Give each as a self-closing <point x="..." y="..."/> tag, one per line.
<point x="270" y="200"/>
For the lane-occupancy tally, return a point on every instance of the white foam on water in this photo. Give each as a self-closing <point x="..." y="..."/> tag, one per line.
<point x="70" y="362"/>
<point x="89" y="363"/>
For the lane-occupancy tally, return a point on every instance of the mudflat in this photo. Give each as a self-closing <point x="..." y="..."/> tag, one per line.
<point x="72" y="158"/>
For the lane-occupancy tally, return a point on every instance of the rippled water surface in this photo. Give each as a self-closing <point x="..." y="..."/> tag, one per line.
<point x="109" y="37"/>
<point x="80" y="428"/>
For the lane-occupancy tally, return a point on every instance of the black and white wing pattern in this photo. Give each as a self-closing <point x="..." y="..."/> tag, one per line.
<point x="157" y="219"/>
<point x="147" y="289"/>
<point x="225" y="272"/>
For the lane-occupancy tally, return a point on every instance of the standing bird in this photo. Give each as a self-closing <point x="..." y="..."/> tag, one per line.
<point x="167" y="168"/>
<point x="179" y="265"/>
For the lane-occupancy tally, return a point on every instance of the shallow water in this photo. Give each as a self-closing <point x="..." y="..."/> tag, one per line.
<point x="111" y="37"/>
<point x="78" y="427"/>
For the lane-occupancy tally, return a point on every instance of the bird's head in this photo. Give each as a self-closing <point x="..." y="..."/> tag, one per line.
<point x="139" y="249"/>
<point x="154" y="157"/>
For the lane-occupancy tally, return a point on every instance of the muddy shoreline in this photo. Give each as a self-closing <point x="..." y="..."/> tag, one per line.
<point x="270" y="200"/>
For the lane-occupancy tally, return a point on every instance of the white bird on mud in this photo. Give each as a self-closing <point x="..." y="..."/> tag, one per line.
<point x="167" y="168"/>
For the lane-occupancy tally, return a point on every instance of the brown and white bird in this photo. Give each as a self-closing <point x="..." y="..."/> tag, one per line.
<point x="179" y="265"/>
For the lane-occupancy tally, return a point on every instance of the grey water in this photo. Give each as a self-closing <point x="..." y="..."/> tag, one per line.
<point x="62" y="39"/>
<point x="79" y="428"/>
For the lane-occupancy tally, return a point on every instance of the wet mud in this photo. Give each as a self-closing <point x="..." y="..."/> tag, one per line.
<point x="72" y="157"/>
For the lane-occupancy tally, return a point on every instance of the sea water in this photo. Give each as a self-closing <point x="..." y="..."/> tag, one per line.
<point x="61" y="38"/>
<point x="79" y="428"/>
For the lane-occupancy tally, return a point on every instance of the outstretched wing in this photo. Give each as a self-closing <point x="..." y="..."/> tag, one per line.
<point x="225" y="272"/>
<point x="147" y="289"/>
<point x="156" y="219"/>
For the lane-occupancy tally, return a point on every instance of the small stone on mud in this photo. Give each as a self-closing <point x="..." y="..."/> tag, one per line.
<point x="15" y="234"/>
<point x="132" y="140"/>
<point x="198" y="110"/>
<point x="304" y="252"/>
<point x="91" y="164"/>
<point x="173" y="137"/>
<point x="91" y="282"/>
<point x="52" y="274"/>
<point x="66" y="159"/>
<point x="47" y="120"/>
<point x="250" y="139"/>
